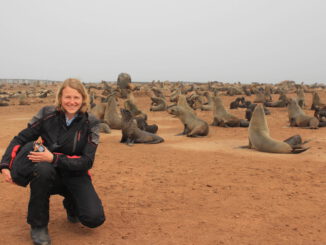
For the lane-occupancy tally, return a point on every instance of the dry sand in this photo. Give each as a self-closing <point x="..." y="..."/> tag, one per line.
<point x="201" y="191"/>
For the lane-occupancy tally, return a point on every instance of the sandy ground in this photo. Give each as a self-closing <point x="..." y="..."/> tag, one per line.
<point x="203" y="191"/>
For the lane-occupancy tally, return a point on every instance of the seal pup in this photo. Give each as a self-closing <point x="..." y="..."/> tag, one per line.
<point x="143" y="125"/>
<point x="239" y="102"/>
<point x="193" y="125"/>
<point x="244" y="103"/>
<point x="235" y="104"/>
<point x="132" y="134"/>
<point x="259" y="137"/>
<point x="298" y="118"/>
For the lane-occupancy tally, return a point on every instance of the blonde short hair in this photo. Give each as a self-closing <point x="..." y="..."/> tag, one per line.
<point x="75" y="84"/>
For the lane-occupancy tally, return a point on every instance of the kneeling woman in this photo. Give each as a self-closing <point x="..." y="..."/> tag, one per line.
<point x="70" y="137"/>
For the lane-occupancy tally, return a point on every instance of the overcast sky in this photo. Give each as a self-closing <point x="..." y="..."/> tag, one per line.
<point x="188" y="40"/>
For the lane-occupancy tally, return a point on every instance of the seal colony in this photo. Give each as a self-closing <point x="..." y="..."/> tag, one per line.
<point x="191" y="103"/>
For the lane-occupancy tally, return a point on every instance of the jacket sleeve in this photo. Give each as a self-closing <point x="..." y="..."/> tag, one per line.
<point x="40" y="114"/>
<point x="81" y="162"/>
<point x="31" y="133"/>
<point x="28" y="134"/>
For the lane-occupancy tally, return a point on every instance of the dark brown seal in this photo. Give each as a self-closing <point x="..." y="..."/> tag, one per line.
<point x="132" y="134"/>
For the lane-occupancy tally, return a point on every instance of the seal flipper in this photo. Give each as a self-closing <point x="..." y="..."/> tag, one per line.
<point x="294" y="140"/>
<point x="299" y="150"/>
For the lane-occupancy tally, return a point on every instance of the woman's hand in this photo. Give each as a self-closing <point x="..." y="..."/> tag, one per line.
<point x="45" y="156"/>
<point x="7" y="175"/>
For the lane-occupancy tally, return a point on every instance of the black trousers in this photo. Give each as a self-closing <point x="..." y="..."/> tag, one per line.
<point x="80" y="197"/>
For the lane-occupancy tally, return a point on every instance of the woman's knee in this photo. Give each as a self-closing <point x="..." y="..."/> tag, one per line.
<point x="93" y="219"/>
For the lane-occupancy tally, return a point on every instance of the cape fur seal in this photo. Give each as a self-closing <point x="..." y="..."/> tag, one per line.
<point x="143" y="125"/>
<point x="193" y="126"/>
<point x="158" y="93"/>
<point x="174" y="95"/>
<point x="239" y="102"/>
<point x="111" y="115"/>
<point x="298" y="118"/>
<point x="158" y="104"/>
<point x="224" y="119"/>
<point x="235" y="104"/>
<point x="195" y="101"/>
<point x="129" y="105"/>
<point x="260" y="97"/>
<point x="320" y="114"/>
<point x="281" y="102"/>
<point x="268" y="93"/>
<point x="316" y="102"/>
<point x="260" y="139"/>
<point x="132" y="134"/>
<point x="123" y="82"/>
<point x="210" y="104"/>
<point x="250" y="109"/>
<point x="182" y="101"/>
<point x="301" y="98"/>
<point x="104" y="128"/>
<point x="98" y="111"/>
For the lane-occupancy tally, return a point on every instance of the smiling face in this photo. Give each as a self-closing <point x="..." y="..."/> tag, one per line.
<point x="71" y="101"/>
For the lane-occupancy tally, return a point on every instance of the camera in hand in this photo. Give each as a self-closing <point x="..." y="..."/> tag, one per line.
<point x="38" y="147"/>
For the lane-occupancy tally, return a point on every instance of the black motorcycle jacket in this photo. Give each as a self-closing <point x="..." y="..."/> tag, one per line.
<point x="73" y="146"/>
